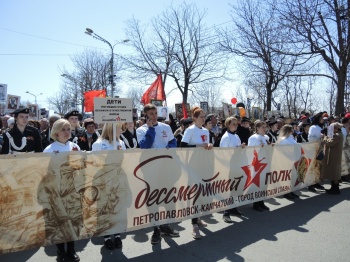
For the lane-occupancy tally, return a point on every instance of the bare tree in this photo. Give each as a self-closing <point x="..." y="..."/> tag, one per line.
<point x="210" y="92"/>
<point x="181" y="47"/>
<point x="91" y="72"/>
<point x="258" y="38"/>
<point x="60" y="102"/>
<point x="323" y="26"/>
<point x="135" y="93"/>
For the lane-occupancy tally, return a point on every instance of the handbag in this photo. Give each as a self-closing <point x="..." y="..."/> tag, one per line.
<point x="320" y="155"/>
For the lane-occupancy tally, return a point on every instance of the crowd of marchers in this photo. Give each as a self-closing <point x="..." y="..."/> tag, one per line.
<point x="57" y="134"/>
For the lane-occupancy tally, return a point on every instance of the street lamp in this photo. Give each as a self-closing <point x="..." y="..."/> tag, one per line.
<point x="34" y="96"/>
<point x="90" y="32"/>
<point x="250" y="97"/>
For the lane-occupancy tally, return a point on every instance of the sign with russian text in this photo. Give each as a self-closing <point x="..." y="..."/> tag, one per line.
<point x="110" y="110"/>
<point x="54" y="198"/>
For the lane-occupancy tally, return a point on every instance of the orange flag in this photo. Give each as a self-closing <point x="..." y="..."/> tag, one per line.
<point x="89" y="99"/>
<point x="154" y="92"/>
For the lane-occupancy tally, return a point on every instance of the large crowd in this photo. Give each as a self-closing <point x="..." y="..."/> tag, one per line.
<point x="57" y="134"/>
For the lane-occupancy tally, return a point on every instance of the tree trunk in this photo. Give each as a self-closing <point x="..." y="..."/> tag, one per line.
<point x="268" y="98"/>
<point x="339" y="106"/>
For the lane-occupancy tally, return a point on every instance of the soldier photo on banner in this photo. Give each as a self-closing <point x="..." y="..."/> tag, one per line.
<point x="12" y="102"/>
<point x="33" y="110"/>
<point x="3" y="93"/>
<point x="157" y="102"/>
<point x="256" y="113"/>
<point x="178" y="110"/>
<point x="205" y="107"/>
<point x="163" y="112"/>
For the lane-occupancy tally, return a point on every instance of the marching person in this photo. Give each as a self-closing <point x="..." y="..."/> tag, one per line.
<point x="155" y="134"/>
<point x="105" y="142"/>
<point x="273" y="132"/>
<point x="331" y="163"/>
<point x="304" y="136"/>
<point x="259" y="139"/>
<point x="231" y="139"/>
<point x="197" y="136"/>
<point x="89" y="136"/>
<point x="179" y="133"/>
<point x="22" y="138"/>
<point x="61" y="133"/>
<point x="77" y="131"/>
<point x="129" y="136"/>
<point x="286" y="138"/>
<point x="316" y="134"/>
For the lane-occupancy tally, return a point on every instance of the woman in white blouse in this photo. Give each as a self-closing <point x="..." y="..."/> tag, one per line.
<point x="316" y="135"/>
<point x="231" y="139"/>
<point x="197" y="136"/>
<point x="105" y="142"/>
<point x="259" y="139"/>
<point x="61" y="133"/>
<point x="286" y="138"/>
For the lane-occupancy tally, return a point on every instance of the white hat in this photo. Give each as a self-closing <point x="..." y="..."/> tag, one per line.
<point x="10" y="121"/>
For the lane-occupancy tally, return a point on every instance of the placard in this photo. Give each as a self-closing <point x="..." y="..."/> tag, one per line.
<point x="3" y="93"/>
<point x="109" y="110"/>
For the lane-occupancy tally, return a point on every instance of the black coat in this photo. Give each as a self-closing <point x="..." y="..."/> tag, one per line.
<point x="33" y="140"/>
<point x="127" y="137"/>
<point x="243" y="134"/>
<point x="83" y="141"/>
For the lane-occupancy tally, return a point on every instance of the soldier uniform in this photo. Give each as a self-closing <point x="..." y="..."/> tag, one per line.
<point x="79" y="131"/>
<point x="15" y="141"/>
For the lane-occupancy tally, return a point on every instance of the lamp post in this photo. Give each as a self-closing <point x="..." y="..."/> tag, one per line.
<point x="36" y="104"/>
<point x="96" y="36"/>
<point x="76" y="90"/>
<point x="250" y="97"/>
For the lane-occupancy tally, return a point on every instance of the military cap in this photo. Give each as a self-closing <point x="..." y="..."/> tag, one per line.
<point x="73" y="113"/>
<point x="21" y="110"/>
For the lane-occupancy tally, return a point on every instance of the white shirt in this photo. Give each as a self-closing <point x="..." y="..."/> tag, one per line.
<point x="345" y="133"/>
<point x="287" y="141"/>
<point x="314" y="133"/>
<point x="230" y="140"/>
<point x="103" y="144"/>
<point x="57" y="147"/>
<point x="163" y="136"/>
<point x="195" y="135"/>
<point x="258" y="140"/>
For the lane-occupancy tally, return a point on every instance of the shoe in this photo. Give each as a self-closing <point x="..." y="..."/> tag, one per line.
<point x="257" y="207"/>
<point x="289" y="196"/>
<point x="294" y="195"/>
<point x="61" y="256"/>
<point x="318" y="186"/>
<point x="168" y="231"/>
<point x="72" y="255"/>
<point x="201" y="223"/>
<point x="235" y="212"/>
<point x="156" y="238"/>
<point x="195" y="233"/>
<point x="263" y="206"/>
<point x="118" y="242"/>
<point x="311" y="188"/>
<point x="334" y="190"/>
<point x="227" y="219"/>
<point x="109" y="244"/>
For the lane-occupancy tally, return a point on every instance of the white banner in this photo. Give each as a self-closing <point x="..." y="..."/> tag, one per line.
<point x="53" y="198"/>
<point x="111" y="110"/>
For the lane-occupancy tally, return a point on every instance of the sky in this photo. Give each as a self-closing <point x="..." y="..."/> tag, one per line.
<point x="37" y="37"/>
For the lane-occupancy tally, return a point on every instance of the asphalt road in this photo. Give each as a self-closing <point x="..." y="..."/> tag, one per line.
<point x="315" y="227"/>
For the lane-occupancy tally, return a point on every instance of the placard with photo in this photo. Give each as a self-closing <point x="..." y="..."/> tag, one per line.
<point x="12" y="102"/>
<point x="163" y="112"/>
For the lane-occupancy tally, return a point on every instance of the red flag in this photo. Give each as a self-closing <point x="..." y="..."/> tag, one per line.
<point x="89" y="99"/>
<point x="184" y="111"/>
<point x="154" y="92"/>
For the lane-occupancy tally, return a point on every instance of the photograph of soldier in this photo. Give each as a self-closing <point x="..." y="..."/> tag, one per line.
<point x="12" y="102"/>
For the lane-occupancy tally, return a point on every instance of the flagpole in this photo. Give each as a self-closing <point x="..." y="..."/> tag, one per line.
<point x="115" y="135"/>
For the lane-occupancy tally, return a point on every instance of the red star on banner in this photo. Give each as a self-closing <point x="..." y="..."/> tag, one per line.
<point x="301" y="160"/>
<point x="258" y="168"/>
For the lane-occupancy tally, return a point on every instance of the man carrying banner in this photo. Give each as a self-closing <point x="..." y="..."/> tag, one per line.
<point x="154" y="134"/>
<point x="21" y="138"/>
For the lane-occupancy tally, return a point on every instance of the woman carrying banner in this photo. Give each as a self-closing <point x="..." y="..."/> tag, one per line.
<point x="105" y="142"/>
<point x="197" y="136"/>
<point x="259" y="139"/>
<point x="315" y="135"/>
<point x="286" y="138"/>
<point x="61" y="133"/>
<point x="231" y="139"/>
<point x="331" y="163"/>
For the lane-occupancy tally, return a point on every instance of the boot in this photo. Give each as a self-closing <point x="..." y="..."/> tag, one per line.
<point x="71" y="254"/>
<point x="334" y="190"/>
<point x="61" y="253"/>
